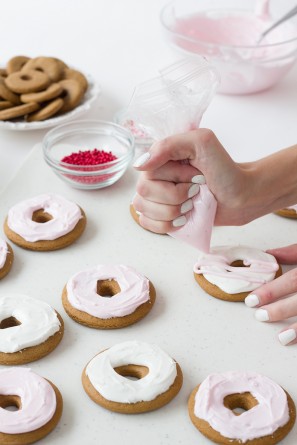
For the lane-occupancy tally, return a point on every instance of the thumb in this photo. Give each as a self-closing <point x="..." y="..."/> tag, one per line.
<point x="285" y="255"/>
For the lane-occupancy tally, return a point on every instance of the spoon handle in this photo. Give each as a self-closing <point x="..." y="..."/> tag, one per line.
<point x="285" y="17"/>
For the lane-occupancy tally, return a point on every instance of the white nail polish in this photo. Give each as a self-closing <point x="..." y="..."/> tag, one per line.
<point x="193" y="190"/>
<point x="186" y="206"/>
<point x="261" y="315"/>
<point x="180" y="221"/>
<point x="137" y="212"/>
<point x="252" y="300"/>
<point x="142" y="160"/>
<point x="199" y="179"/>
<point x="287" y="336"/>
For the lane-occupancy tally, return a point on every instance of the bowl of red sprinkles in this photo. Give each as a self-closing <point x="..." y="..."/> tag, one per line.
<point x="89" y="154"/>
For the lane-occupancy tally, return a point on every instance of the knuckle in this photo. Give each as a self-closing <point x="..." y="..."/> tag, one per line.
<point x="206" y="136"/>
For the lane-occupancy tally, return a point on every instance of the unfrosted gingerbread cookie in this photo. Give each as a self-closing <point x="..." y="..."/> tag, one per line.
<point x="45" y="222"/>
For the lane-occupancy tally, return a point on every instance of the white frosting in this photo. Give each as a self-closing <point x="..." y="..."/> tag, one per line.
<point x="65" y="215"/>
<point x="215" y="267"/>
<point x="38" y="401"/>
<point x="264" y="419"/>
<point x="114" y="387"/>
<point x="38" y="320"/>
<point x="3" y="252"/>
<point x="82" y="291"/>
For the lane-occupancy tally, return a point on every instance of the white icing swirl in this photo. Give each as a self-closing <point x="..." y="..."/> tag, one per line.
<point x="264" y="419"/>
<point x="65" y="215"/>
<point x="114" y="387"/>
<point x="259" y="268"/>
<point x="3" y="252"/>
<point x="82" y="291"/>
<point x="38" y="401"/>
<point x="38" y="320"/>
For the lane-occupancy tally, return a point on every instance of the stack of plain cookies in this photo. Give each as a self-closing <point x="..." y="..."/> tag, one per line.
<point x="39" y="88"/>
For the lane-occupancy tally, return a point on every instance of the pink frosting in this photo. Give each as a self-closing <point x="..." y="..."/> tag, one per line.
<point x="198" y="228"/>
<point x="38" y="401"/>
<point x="294" y="207"/>
<point x="3" y="252"/>
<point x="265" y="418"/>
<point x="82" y="291"/>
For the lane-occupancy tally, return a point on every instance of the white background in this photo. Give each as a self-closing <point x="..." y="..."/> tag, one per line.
<point x="120" y="43"/>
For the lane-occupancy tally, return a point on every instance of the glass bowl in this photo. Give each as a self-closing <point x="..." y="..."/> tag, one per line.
<point x="86" y="135"/>
<point x="226" y="32"/>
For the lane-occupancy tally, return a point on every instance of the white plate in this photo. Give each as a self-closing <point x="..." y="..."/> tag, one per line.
<point x="90" y="96"/>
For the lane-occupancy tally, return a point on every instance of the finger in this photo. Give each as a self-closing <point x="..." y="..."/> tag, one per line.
<point x="165" y="192"/>
<point x="161" y="212"/>
<point x="161" y="226"/>
<point x="288" y="336"/>
<point x="175" y="172"/>
<point x="279" y="310"/>
<point x="285" y="255"/>
<point x="280" y="287"/>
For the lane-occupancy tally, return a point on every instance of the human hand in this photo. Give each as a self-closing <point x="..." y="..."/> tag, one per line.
<point x="167" y="183"/>
<point x="275" y="300"/>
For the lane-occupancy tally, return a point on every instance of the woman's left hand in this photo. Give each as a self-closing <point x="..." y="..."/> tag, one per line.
<point x="277" y="300"/>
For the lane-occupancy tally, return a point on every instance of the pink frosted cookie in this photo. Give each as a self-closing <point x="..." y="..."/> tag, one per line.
<point x="241" y="407"/>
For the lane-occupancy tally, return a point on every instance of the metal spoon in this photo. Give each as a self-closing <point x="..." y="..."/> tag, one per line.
<point x="284" y="18"/>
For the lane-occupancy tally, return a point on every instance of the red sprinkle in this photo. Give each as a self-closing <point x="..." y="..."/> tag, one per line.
<point x="89" y="158"/>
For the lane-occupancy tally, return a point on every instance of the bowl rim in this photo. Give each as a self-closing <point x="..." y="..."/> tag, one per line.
<point x="170" y="4"/>
<point x="66" y="167"/>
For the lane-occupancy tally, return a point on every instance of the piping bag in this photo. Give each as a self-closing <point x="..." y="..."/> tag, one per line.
<point x="174" y="103"/>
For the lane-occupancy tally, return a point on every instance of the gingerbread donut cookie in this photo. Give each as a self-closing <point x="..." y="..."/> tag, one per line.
<point x="288" y="212"/>
<point x="19" y="110"/>
<point x="49" y="110"/>
<point x="28" y="81"/>
<point x="8" y="95"/>
<point x="269" y="412"/>
<point x="29" y="329"/>
<point x="16" y="63"/>
<point x="49" y="66"/>
<point x="39" y="404"/>
<point x="6" y="258"/>
<point x="231" y="273"/>
<point x="51" y="92"/>
<point x="160" y="378"/>
<point x="45" y="222"/>
<point x="72" y="94"/>
<point x="4" y="104"/>
<point x="69" y="73"/>
<point x="108" y="297"/>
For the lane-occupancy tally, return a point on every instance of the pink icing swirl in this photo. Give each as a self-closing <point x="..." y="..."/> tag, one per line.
<point x="38" y="401"/>
<point x="82" y="291"/>
<point x="265" y="418"/>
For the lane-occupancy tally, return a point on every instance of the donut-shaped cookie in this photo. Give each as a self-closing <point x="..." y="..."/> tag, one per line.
<point x="72" y="94"/>
<point x="108" y="297"/>
<point x="268" y="411"/>
<point x="45" y="222"/>
<point x="51" y="92"/>
<point x="19" y="110"/>
<point x="288" y="212"/>
<point x="231" y="273"/>
<point x="28" y="81"/>
<point x="49" y="66"/>
<point x="47" y="111"/>
<point x="29" y="329"/>
<point x="4" y="104"/>
<point x="8" y="95"/>
<point x="159" y="378"/>
<point x="6" y="258"/>
<point x="16" y="63"/>
<point x="69" y="73"/>
<point x="39" y="406"/>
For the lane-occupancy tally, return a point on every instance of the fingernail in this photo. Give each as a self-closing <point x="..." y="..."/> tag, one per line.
<point x="180" y="221"/>
<point x="287" y="336"/>
<point x="186" y="206"/>
<point x="252" y="300"/>
<point x="193" y="190"/>
<point x="142" y="159"/>
<point x="199" y="179"/>
<point x="262" y="315"/>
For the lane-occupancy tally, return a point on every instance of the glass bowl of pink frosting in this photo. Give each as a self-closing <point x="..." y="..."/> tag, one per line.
<point x="227" y="32"/>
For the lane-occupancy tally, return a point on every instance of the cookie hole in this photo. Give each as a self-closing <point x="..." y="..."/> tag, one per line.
<point x="132" y="372"/>
<point x="10" y="403"/>
<point x="239" y="403"/>
<point x="40" y="216"/>
<point x="9" y="322"/>
<point x="108" y="288"/>
<point x="64" y="94"/>
<point x="25" y="77"/>
<point x="38" y="68"/>
<point x="239" y="263"/>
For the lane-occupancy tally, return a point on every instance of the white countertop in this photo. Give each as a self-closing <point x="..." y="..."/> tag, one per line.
<point x="120" y="44"/>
